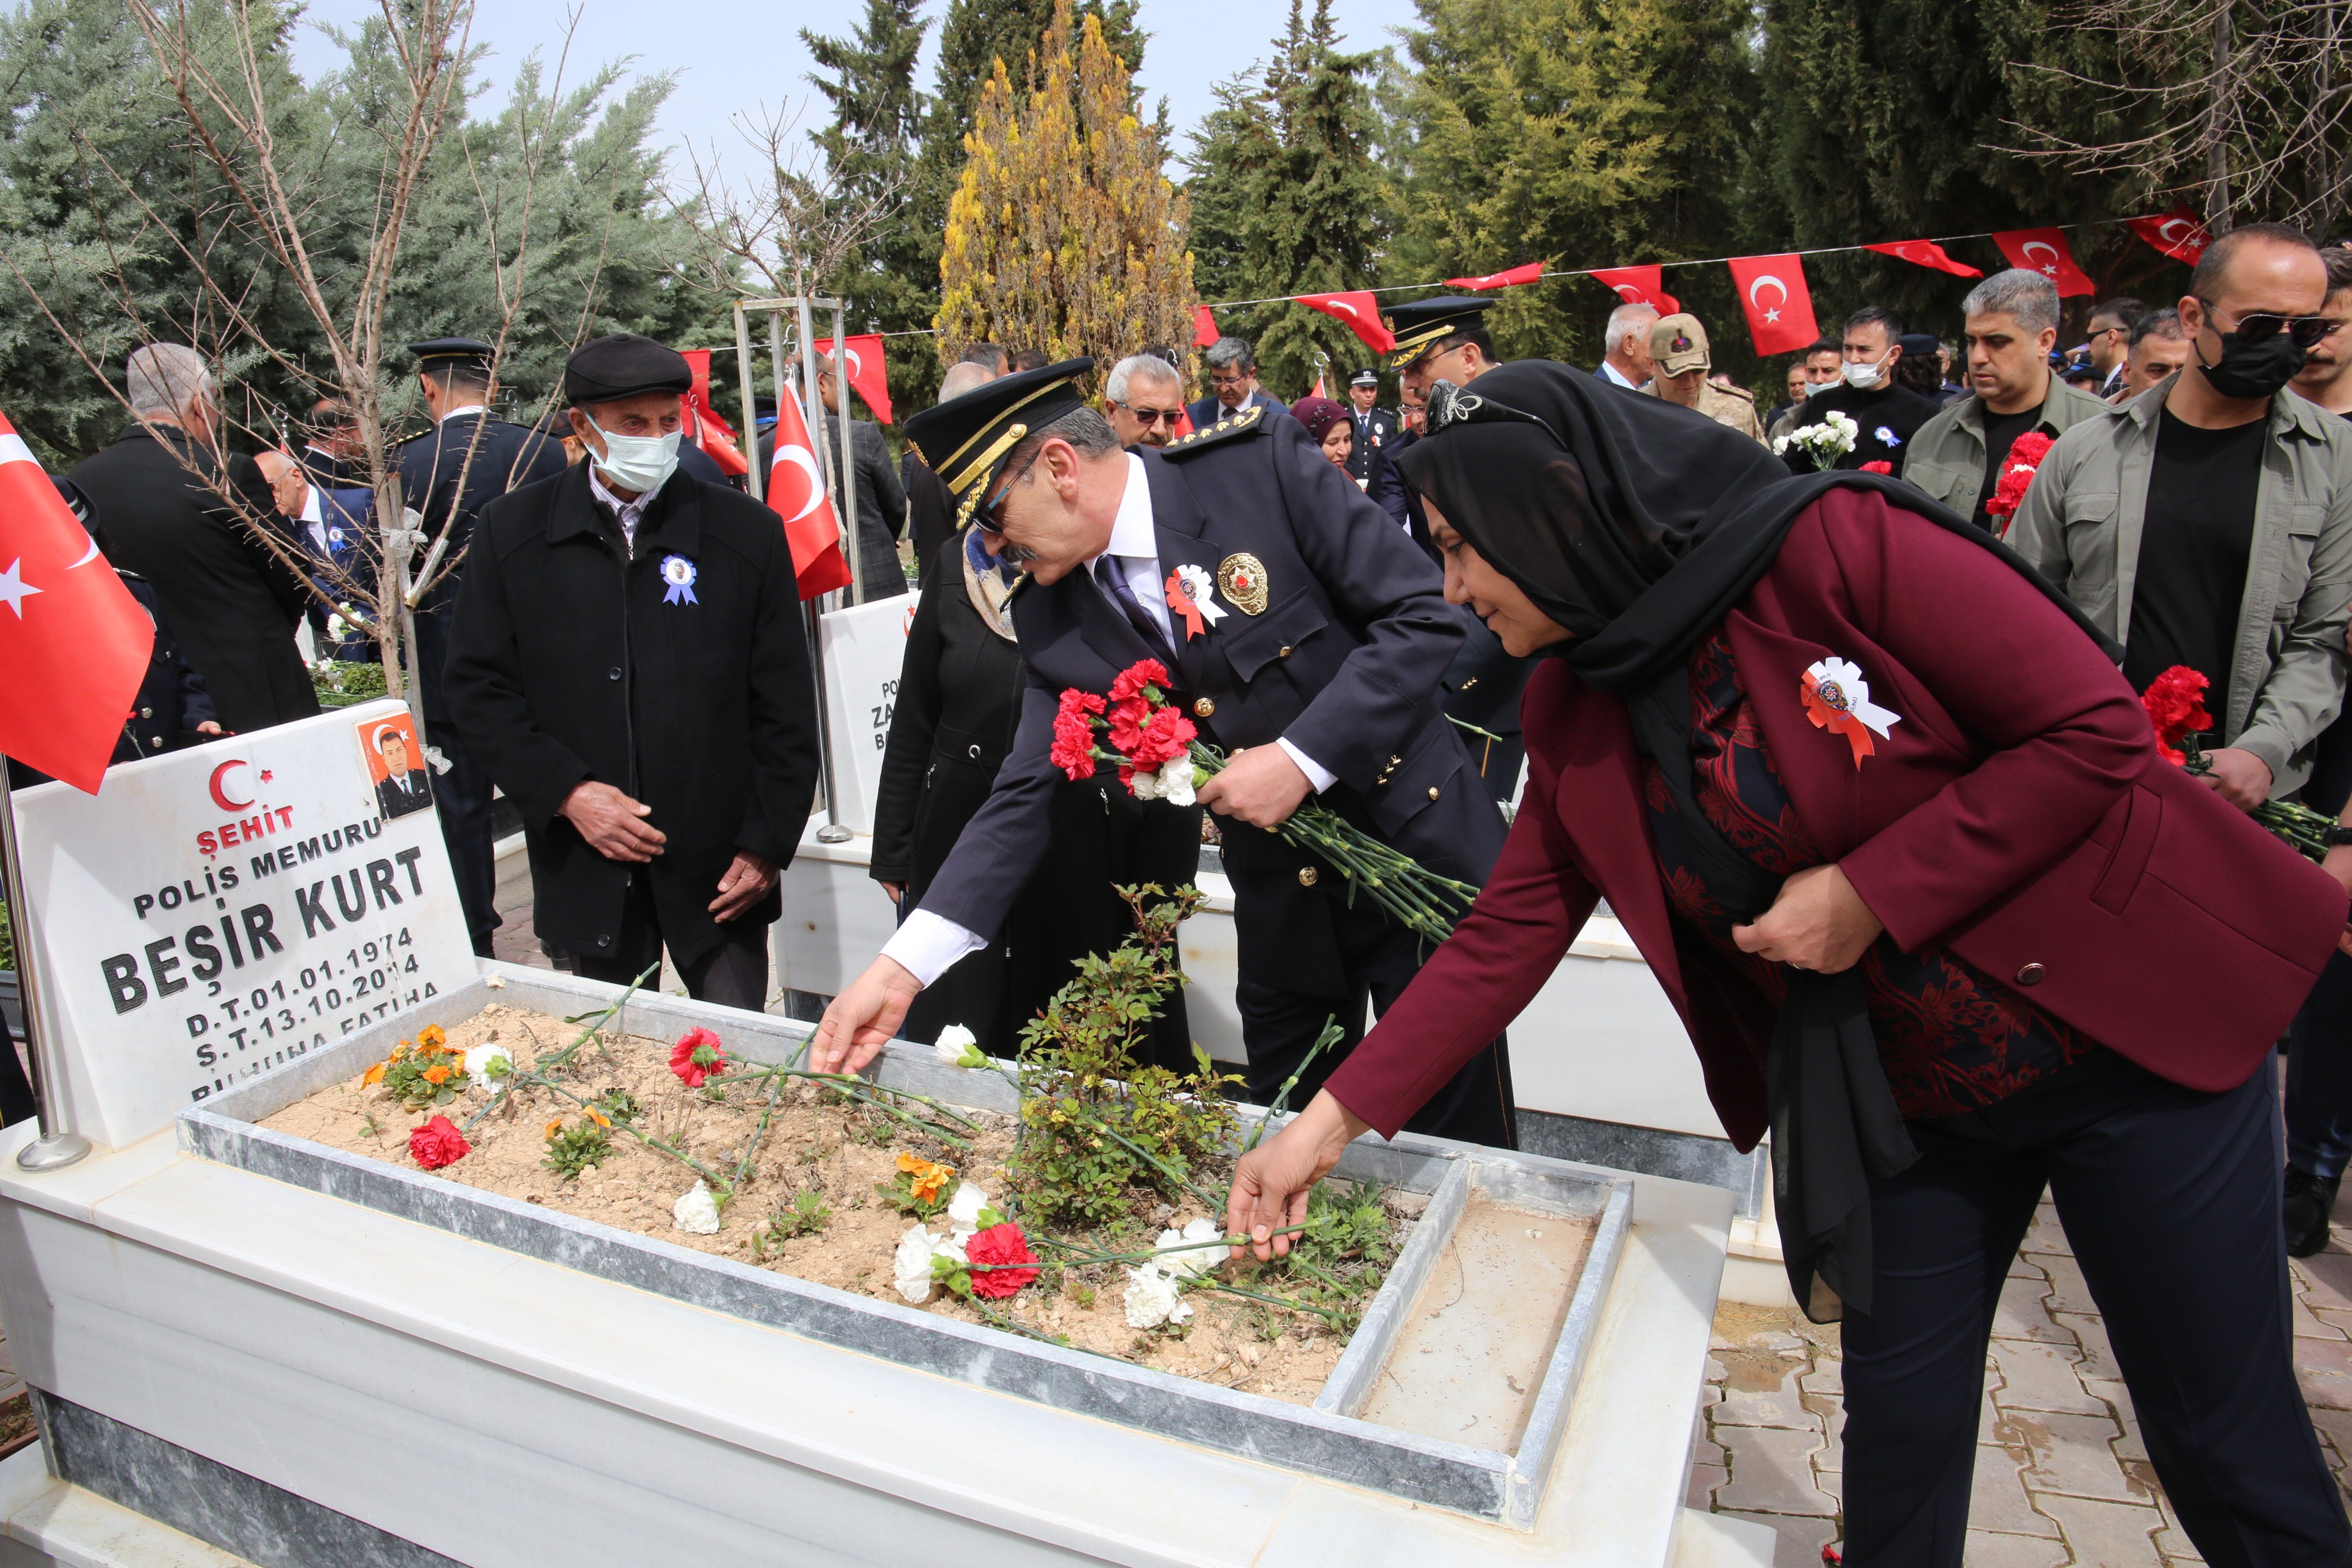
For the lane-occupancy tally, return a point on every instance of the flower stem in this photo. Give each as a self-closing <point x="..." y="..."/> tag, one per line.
<point x="563" y="1058"/>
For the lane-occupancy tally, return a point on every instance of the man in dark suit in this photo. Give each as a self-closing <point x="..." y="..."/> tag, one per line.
<point x="630" y="664"/>
<point x="330" y="448"/>
<point x="1320" y="677"/>
<point x="446" y="477"/>
<point x="402" y="789"/>
<point x="1232" y="384"/>
<point x="224" y="570"/>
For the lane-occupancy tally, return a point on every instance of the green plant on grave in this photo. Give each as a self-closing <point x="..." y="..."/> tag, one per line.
<point x="619" y="1104"/>
<point x="572" y="1149"/>
<point x="1099" y="1131"/>
<point x="428" y="1073"/>
<point x="806" y="1215"/>
<point x="1337" y="1265"/>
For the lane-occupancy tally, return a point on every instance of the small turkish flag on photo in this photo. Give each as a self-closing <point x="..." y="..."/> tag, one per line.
<point x="74" y="644"/>
<point x="1361" y="313"/>
<point x="1532" y="272"/>
<point x="1926" y="253"/>
<point x="2178" y="234"/>
<point x="1204" y="327"/>
<point x="2045" y="251"/>
<point x="1780" y="307"/>
<point x="1640" y="286"/>
<point x="866" y="371"/>
<point x="796" y="492"/>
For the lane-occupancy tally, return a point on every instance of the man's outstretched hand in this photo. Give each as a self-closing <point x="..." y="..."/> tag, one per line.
<point x="865" y="1018"/>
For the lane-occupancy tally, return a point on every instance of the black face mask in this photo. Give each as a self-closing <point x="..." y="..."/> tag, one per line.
<point x="2259" y="369"/>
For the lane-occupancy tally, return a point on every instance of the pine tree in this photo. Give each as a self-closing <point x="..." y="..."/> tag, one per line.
<point x="1062" y="234"/>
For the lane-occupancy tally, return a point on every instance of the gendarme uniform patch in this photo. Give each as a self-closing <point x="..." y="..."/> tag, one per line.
<point x="1225" y="429"/>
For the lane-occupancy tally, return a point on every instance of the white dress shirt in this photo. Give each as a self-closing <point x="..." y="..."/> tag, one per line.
<point x="1614" y="374"/>
<point x="927" y="944"/>
<point x="314" y="518"/>
<point x="469" y="408"/>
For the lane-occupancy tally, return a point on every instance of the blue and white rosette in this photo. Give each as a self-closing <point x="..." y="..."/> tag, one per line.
<point x="679" y="572"/>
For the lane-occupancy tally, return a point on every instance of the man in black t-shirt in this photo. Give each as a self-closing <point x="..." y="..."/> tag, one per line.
<point x="1887" y="415"/>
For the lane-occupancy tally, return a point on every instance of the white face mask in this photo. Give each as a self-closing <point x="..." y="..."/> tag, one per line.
<point x="1815" y="389"/>
<point x="639" y="462"/>
<point x="1865" y="376"/>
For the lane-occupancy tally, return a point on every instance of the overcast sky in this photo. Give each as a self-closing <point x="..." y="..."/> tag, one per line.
<point x="730" y="57"/>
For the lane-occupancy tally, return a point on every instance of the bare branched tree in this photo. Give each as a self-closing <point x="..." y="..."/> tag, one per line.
<point x="794" y="223"/>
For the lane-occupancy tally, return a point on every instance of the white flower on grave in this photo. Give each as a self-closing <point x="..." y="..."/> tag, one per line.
<point x="698" y="1212"/>
<point x="910" y="1267"/>
<point x="1199" y="1259"/>
<point x="1154" y="1297"/>
<point x="959" y="1046"/>
<point x="964" y="1209"/>
<point x="488" y="1066"/>
<point x="1175" y="781"/>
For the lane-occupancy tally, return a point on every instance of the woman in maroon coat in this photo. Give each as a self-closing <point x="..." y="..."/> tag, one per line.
<point x="1890" y="830"/>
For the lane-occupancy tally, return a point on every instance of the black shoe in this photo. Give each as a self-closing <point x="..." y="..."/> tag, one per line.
<point x="2308" y="1201"/>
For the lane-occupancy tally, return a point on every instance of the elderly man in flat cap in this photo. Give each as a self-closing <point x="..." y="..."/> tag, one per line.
<point x="629" y="663"/>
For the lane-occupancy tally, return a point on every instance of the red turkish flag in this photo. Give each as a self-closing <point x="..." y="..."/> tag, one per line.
<point x="866" y="371"/>
<point x="1780" y="307"/>
<point x="73" y="642"/>
<point x="1204" y="327"/>
<point x="1926" y="253"/>
<point x="796" y="491"/>
<point x="1530" y="273"/>
<point x="1361" y="313"/>
<point x="710" y="433"/>
<point x="2178" y="234"/>
<point x="1183" y="426"/>
<point x="1640" y="286"/>
<point x="2044" y="251"/>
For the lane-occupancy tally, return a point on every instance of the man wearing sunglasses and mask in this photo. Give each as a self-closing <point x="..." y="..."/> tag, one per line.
<point x="1311" y="654"/>
<point x="2208" y="523"/>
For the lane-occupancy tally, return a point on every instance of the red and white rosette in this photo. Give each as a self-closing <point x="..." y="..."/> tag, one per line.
<point x="1837" y="699"/>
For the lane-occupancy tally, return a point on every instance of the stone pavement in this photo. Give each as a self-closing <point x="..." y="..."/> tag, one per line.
<point x="2061" y="1476"/>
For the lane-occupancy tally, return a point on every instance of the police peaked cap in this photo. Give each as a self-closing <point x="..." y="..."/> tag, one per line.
<point x="450" y="354"/>
<point x="1421" y="324"/>
<point x="1367" y="377"/>
<point x="607" y="369"/>
<point x="965" y="440"/>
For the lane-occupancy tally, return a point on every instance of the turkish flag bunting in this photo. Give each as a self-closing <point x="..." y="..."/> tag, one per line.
<point x="1780" y="307"/>
<point x="1926" y="253"/>
<point x="712" y="433"/>
<point x="73" y="642"/>
<point x="2178" y="234"/>
<point x="796" y="491"/>
<point x="2044" y="251"/>
<point x="1204" y="327"/>
<point x="866" y="371"/>
<point x="1360" y="310"/>
<point x="1183" y="426"/>
<point x="1516" y="275"/>
<point x="1638" y="285"/>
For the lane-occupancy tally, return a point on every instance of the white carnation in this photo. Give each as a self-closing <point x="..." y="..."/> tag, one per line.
<point x="486" y="1064"/>
<point x="1198" y="1259"/>
<point x="963" y="1209"/>
<point x="959" y="1046"/>
<point x="697" y="1213"/>
<point x="1143" y="786"/>
<point x="910" y="1266"/>
<point x="1154" y="1298"/>
<point x="1175" y="781"/>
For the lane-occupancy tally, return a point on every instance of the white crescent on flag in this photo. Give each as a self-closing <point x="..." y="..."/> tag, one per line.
<point x="1343" y="305"/>
<point x="2168" y="225"/>
<point x="801" y="458"/>
<point x="1628" y="293"/>
<point x="856" y="364"/>
<point x="1760" y="282"/>
<point x="14" y="450"/>
<point x="2030" y="246"/>
<point x="87" y="556"/>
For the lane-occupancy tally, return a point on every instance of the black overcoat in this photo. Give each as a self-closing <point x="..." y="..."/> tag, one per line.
<point x="572" y="659"/>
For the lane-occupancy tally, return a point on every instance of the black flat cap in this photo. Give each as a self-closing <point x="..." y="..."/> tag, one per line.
<point x="624" y="365"/>
<point x="445" y="351"/>
<point x="966" y="439"/>
<point x="1367" y="377"/>
<point x="1421" y="324"/>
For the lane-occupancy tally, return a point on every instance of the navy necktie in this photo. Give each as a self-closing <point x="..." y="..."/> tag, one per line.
<point x="1114" y="583"/>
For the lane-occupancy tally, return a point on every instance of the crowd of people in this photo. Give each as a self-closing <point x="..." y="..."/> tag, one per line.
<point x="1848" y="742"/>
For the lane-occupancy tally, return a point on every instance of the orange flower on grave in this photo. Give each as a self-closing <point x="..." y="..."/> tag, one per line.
<point x="597" y="1116"/>
<point x="437" y="1076"/>
<point x="399" y="1053"/>
<point x="930" y="1177"/>
<point x="431" y="1037"/>
<point x="554" y="1127"/>
<point x="374" y="1075"/>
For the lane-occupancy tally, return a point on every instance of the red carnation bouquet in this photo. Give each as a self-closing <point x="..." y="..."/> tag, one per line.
<point x="2016" y="471"/>
<point x="2175" y="701"/>
<point x="1159" y="757"/>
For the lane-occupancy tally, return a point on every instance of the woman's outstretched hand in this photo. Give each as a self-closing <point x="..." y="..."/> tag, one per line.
<point x="1817" y="922"/>
<point x="1271" y="1183"/>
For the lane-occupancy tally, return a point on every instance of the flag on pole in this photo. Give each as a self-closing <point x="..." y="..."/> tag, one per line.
<point x="1530" y="273"/>
<point x="2178" y="234"/>
<point x="74" y="644"/>
<point x="796" y="491"/>
<point x="2044" y="251"/>
<point x="1360" y="311"/>
<point x="1204" y="327"/>
<point x="710" y="433"/>
<point x="1640" y="286"/>
<point x="1780" y="307"/>
<point x="1926" y="253"/>
<point x="868" y="373"/>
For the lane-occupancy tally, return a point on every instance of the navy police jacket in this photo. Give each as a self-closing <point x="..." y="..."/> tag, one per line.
<point x="1341" y="649"/>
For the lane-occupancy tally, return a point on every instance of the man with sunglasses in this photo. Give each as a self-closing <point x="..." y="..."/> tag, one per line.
<point x="1144" y="399"/>
<point x="1311" y="654"/>
<point x="2208" y="523"/>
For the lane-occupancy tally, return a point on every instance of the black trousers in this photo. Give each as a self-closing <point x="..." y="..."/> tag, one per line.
<point x="734" y="974"/>
<point x="2170" y="1201"/>
<point x="462" y="797"/>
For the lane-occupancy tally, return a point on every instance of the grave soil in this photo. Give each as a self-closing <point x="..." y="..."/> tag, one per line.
<point x="843" y="1153"/>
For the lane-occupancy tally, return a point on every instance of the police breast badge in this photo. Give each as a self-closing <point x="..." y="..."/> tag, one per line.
<point x="1837" y="699"/>
<point x="1242" y="579"/>
<point x="679" y="572"/>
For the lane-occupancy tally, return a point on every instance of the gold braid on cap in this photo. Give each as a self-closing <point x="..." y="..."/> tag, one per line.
<point x="1405" y="350"/>
<point x="973" y="481"/>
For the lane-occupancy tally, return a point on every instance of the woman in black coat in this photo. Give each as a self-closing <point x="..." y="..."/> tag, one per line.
<point x="959" y="701"/>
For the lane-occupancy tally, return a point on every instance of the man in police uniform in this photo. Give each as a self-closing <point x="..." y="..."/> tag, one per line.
<point x="446" y="477"/>
<point x="1678" y="349"/>
<point x="1319" y="674"/>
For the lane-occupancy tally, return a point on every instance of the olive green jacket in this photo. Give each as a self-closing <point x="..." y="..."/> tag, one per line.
<point x="2081" y="522"/>
<point x="1947" y="454"/>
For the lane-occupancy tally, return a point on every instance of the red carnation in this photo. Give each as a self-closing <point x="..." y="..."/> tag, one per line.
<point x="1879" y="466"/>
<point x="1162" y="740"/>
<point x="1076" y="702"/>
<point x="696" y="1056"/>
<point x="1074" y="746"/>
<point x="1128" y="717"/>
<point x="438" y="1143"/>
<point x="2016" y="471"/>
<point x="1000" y="1244"/>
<point x="1136" y="676"/>
<point x="2175" y="701"/>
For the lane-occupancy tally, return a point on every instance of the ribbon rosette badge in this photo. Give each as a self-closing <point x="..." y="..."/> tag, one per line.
<point x="1838" y="699"/>
<point x="1188" y="590"/>
<point x="679" y="572"/>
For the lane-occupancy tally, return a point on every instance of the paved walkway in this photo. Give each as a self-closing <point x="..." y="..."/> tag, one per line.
<point x="2061" y="1477"/>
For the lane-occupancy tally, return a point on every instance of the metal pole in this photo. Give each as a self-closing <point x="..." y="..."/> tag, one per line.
<point x="832" y="833"/>
<point x="758" y="477"/>
<point x="59" y="1144"/>
<point x="849" y="454"/>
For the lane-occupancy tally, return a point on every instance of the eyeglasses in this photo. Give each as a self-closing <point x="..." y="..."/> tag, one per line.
<point x="2305" y="331"/>
<point x="1151" y="416"/>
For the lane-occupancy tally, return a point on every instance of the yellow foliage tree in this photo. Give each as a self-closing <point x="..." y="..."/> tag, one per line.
<point x="1063" y="234"/>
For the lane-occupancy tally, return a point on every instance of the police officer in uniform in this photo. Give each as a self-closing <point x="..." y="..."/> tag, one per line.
<point x="1319" y="677"/>
<point x="1376" y="430"/>
<point x="446" y="477"/>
